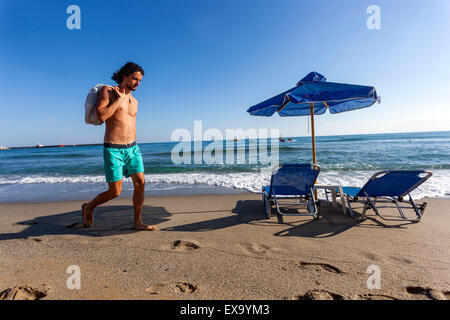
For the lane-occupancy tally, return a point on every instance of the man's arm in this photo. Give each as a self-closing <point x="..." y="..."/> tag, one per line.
<point x="105" y="109"/>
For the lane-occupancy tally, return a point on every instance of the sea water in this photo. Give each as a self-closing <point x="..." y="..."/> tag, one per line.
<point x="68" y="173"/>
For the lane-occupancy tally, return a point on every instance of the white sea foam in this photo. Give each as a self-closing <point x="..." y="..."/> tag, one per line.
<point x="437" y="186"/>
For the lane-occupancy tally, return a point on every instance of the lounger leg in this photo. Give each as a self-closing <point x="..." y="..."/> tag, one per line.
<point x="366" y="206"/>
<point x="279" y="213"/>
<point x="419" y="216"/>
<point x="413" y="203"/>
<point x="350" y="209"/>
<point x="399" y="209"/>
<point x="284" y="214"/>
<point x="267" y="205"/>
<point x="374" y="207"/>
<point x="276" y="205"/>
<point x="263" y="192"/>
<point x="310" y="206"/>
<point x="316" y="211"/>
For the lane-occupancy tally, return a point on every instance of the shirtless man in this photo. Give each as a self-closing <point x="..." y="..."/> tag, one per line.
<point x="118" y="108"/>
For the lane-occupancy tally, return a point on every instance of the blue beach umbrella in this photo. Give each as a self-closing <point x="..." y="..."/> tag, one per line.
<point x="313" y="95"/>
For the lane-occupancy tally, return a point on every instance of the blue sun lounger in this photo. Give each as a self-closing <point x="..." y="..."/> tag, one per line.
<point x="388" y="187"/>
<point x="292" y="182"/>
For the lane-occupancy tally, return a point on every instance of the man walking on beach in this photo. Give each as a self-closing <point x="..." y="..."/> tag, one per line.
<point x="118" y="108"/>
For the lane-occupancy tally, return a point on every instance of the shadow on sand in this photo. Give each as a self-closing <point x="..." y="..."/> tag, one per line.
<point x="331" y="223"/>
<point x="245" y="212"/>
<point x="108" y="221"/>
<point x="115" y="220"/>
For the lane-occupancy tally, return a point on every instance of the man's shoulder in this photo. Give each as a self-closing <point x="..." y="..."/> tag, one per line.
<point x="106" y="89"/>
<point x="106" y="92"/>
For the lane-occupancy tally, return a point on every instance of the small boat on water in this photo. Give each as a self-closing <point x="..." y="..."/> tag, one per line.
<point x="284" y="139"/>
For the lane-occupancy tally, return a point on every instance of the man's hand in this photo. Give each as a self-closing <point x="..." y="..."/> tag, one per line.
<point x="120" y="95"/>
<point x="106" y="108"/>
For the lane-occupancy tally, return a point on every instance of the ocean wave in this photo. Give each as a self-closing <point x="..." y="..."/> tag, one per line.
<point x="93" y="167"/>
<point x="437" y="186"/>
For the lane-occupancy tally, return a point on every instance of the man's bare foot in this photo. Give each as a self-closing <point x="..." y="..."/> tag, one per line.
<point x="87" y="216"/>
<point x="141" y="226"/>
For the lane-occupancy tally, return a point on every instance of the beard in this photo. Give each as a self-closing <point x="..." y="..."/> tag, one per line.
<point x="132" y="88"/>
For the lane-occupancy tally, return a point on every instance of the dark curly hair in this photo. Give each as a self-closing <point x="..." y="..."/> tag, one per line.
<point x="127" y="69"/>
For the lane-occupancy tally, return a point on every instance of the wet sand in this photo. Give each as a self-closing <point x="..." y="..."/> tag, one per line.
<point x="219" y="247"/>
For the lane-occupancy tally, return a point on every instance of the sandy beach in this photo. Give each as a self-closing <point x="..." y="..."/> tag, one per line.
<point x="219" y="247"/>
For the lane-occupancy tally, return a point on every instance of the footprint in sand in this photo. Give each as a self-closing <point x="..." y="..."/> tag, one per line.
<point x="319" y="295"/>
<point x="258" y="249"/>
<point x="186" y="287"/>
<point x="162" y="288"/>
<point x="320" y="267"/>
<point x="401" y="259"/>
<point x="156" y="289"/>
<point x="32" y="239"/>
<point x="371" y="256"/>
<point x="182" y="245"/>
<point x="428" y="292"/>
<point x="22" y="293"/>
<point x="371" y="296"/>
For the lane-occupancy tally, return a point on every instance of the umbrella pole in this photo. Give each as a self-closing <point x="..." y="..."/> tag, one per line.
<point x="313" y="134"/>
<point x="313" y="141"/>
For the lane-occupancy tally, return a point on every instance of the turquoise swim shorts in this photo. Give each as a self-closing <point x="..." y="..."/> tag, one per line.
<point x="122" y="160"/>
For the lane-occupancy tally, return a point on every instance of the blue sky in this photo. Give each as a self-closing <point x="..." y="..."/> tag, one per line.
<point x="210" y="60"/>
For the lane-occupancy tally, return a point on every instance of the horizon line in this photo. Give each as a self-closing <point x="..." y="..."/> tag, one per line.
<point x="246" y="138"/>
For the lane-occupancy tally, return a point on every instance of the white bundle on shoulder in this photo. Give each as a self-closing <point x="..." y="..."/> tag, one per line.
<point x="90" y="106"/>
